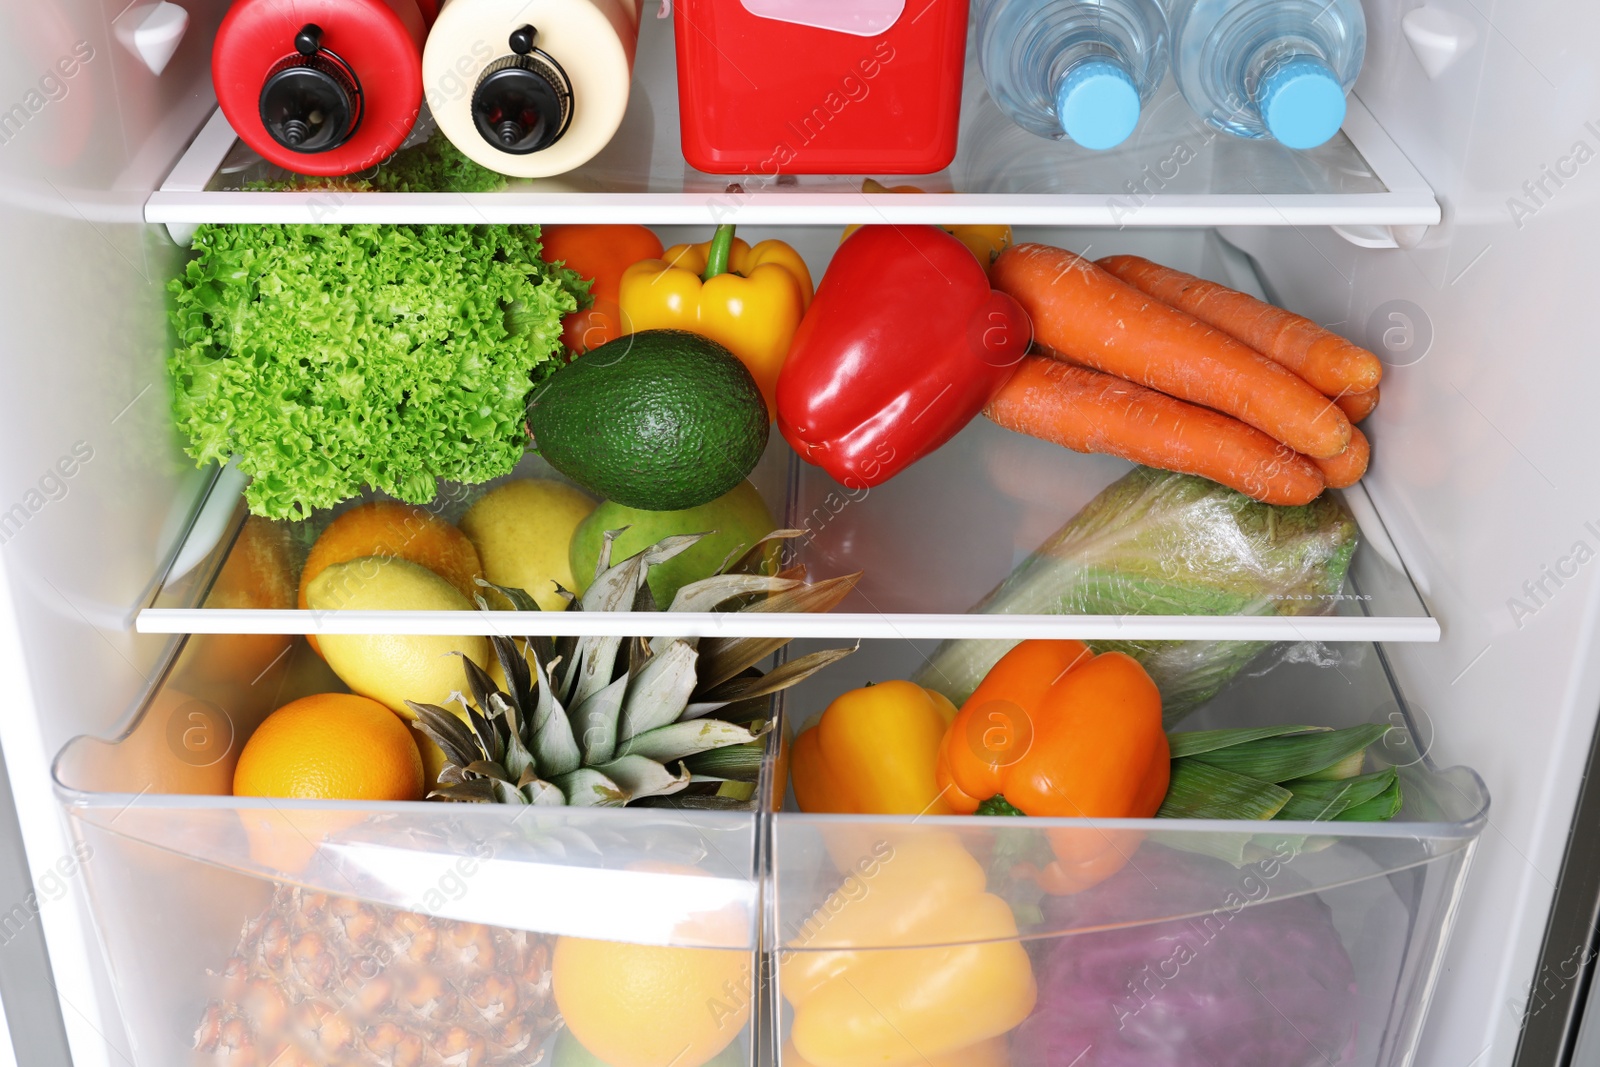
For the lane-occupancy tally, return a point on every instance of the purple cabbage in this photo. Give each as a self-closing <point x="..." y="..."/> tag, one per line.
<point x="1263" y="985"/>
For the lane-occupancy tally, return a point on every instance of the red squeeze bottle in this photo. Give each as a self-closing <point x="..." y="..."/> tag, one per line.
<point x="322" y="87"/>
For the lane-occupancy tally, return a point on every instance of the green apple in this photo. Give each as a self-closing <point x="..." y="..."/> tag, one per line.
<point x="523" y="532"/>
<point x="735" y="520"/>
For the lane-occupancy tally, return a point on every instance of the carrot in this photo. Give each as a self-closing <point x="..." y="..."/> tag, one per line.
<point x="1088" y="411"/>
<point x="1324" y="359"/>
<point x="1093" y="318"/>
<point x="1348" y="466"/>
<point x="1357" y="406"/>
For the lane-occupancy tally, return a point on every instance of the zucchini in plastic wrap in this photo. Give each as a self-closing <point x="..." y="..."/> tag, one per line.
<point x="1159" y="543"/>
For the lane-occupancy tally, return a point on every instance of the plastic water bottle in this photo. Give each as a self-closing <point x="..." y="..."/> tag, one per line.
<point x="1073" y="69"/>
<point x="1268" y="68"/>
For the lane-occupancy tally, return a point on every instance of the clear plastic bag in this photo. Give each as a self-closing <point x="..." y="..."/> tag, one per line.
<point x="1159" y="543"/>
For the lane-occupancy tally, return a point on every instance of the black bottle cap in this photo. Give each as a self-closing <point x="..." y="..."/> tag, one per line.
<point x="523" y="102"/>
<point x="311" y="101"/>
<point x="308" y="42"/>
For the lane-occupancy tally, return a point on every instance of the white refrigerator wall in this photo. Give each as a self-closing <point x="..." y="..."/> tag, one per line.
<point x="92" y="486"/>
<point x="1485" y="470"/>
<point x="1487" y="462"/>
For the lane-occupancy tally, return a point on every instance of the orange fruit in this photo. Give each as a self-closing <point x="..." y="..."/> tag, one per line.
<point x="656" y="1006"/>
<point x="258" y="574"/>
<point x="650" y="1005"/>
<point x="330" y="746"/>
<point x="385" y="528"/>
<point x="181" y="744"/>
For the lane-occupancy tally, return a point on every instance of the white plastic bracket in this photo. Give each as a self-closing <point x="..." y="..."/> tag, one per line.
<point x="1437" y="37"/>
<point x="152" y="32"/>
<point x="1377" y="236"/>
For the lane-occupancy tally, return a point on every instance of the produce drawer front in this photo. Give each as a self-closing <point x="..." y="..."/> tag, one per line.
<point x="1303" y="941"/>
<point x="251" y="931"/>
<point x="242" y="930"/>
<point x="214" y="966"/>
<point x="652" y="878"/>
<point x="1146" y="941"/>
<point x="1177" y="958"/>
<point x="1318" y="949"/>
<point x="663" y="876"/>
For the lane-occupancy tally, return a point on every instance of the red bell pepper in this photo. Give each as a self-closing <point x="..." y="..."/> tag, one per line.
<point x="902" y="346"/>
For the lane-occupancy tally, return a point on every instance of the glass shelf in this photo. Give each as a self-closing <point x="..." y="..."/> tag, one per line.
<point x="930" y="543"/>
<point x="1174" y="171"/>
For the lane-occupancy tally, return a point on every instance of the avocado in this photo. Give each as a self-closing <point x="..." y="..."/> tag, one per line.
<point x="661" y="420"/>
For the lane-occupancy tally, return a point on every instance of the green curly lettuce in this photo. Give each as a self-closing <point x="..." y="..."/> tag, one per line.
<point x="435" y="165"/>
<point x="333" y="358"/>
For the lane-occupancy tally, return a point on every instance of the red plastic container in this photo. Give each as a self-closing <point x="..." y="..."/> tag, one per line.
<point x="322" y="87"/>
<point x="820" y="86"/>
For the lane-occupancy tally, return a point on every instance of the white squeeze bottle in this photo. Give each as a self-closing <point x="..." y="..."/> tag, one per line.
<point x="530" y="88"/>
<point x="1078" y="70"/>
<point x="1268" y="68"/>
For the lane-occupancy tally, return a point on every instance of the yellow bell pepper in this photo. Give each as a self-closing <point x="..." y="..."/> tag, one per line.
<point x="862" y="997"/>
<point x="874" y="752"/>
<point x="985" y="242"/>
<point x="749" y="300"/>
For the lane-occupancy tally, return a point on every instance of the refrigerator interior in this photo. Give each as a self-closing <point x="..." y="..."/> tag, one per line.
<point x="1486" y="477"/>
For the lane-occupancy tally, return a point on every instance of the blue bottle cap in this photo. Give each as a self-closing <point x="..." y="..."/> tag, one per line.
<point x="1302" y="102"/>
<point x="1097" y="104"/>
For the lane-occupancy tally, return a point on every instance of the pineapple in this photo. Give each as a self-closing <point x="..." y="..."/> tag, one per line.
<point x="322" y="980"/>
<point x="606" y="721"/>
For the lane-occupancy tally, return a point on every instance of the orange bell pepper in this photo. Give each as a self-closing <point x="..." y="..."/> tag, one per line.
<point x="600" y="254"/>
<point x="1056" y="731"/>
<point x="1084" y="859"/>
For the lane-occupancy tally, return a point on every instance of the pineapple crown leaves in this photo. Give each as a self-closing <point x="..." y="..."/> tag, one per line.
<point x="608" y="720"/>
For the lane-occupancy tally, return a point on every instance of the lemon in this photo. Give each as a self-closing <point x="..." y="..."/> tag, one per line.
<point x="386" y="528"/>
<point x="522" y="531"/>
<point x="433" y="757"/>
<point x="650" y="1006"/>
<point x="394" y="668"/>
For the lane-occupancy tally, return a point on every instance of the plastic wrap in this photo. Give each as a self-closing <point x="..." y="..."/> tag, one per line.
<point x="1159" y="543"/>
